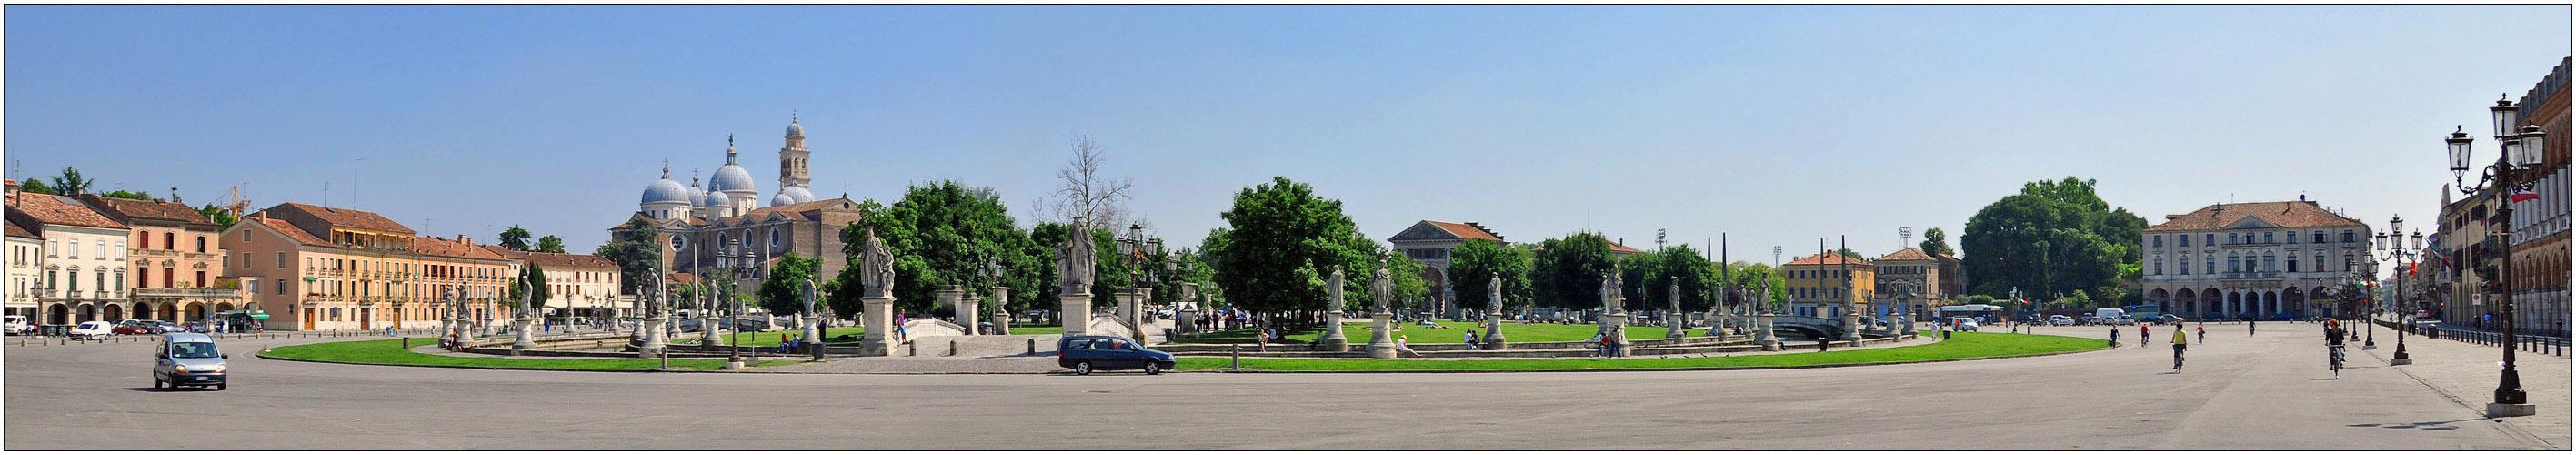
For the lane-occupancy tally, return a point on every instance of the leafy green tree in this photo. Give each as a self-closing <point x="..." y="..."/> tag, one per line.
<point x="1978" y="299"/>
<point x="1566" y="272"/>
<point x="69" y="183"/>
<point x="1677" y="263"/>
<point x="1936" y="242"/>
<point x="123" y="194"/>
<point x="1404" y="278"/>
<point x="783" y="291"/>
<point x="550" y="244"/>
<point x="532" y="278"/>
<point x="1112" y="272"/>
<point x="1634" y="270"/>
<point x="219" y="215"/>
<point x="37" y="186"/>
<point x="1748" y="277"/>
<point x="636" y="254"/>
<point x="944" y="233"/>
<point x="2054" y="236"/>
<point x="1474" y="264"/>
<point x="514" y="238"/>
<point x="1280" y="242"/>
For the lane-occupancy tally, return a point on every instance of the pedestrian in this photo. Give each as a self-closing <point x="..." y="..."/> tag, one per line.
<point x="2115" y="336"/>
<point x="2204" y="333"/>
<point x="1402" y="348"/>
<point x="1600" y="343"/>
<point x="2249" y="327"/>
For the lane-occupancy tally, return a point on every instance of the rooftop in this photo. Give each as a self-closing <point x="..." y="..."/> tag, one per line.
<point x="1829" y="259"/>
<point x="2288" y="214"/>
<point x="51" y="209"/>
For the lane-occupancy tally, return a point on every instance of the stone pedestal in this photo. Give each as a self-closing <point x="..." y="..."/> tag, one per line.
<point x="523" y="343"/>
<point x="1762" y="332"/>
<point x="1185" y="322"/>
<point x="876" y="320"/>
<point x="1132" y="304"/>
<point x="2510" y="410"/>
<point x="1615" y="328"/>
<point x="1493" y="331"/>
<point x="1675" y="329"/>
<point x="970" y="313"/>
<point x="1851" y="323"/>
<point x="1001" y="317"/>
<point x="1075" y="311"/>
<point x="653" y="343"/>
<point x="1381" y="340"/>
<point x="1334" y="340"/>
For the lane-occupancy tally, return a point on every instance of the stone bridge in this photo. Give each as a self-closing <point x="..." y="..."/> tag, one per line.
<point x="1811" y="326"/>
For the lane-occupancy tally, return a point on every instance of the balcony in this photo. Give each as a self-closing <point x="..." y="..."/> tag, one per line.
<point x="188" y="293"/>
<point x="2250" y="276"/>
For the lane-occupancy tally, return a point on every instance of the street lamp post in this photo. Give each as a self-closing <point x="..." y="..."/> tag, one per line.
<point x="2391" y="247"/>
<point x="2513" y="171"/>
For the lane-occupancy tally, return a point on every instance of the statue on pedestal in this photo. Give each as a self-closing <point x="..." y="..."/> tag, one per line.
<point x="1381" y="285"/>
<point x="1494" y="313"/>
<point x="1381" y="342"/>
<point x="876" y="267"/>
<point x="1610" y="298"/>
<point x="1333" y="339"/>
<point x="1075" y="260"/>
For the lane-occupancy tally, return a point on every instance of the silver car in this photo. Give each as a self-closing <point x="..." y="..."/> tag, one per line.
<point x="188" y="359"/>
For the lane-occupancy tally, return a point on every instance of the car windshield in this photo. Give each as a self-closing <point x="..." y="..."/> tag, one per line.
<point x="192" y="350"/>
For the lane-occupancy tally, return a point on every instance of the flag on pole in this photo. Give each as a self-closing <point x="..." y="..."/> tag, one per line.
<point x="2520" y="195"/>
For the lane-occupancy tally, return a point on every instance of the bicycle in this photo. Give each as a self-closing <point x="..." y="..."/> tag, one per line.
<point x="2334" y="359"/>
<point x="2178" y="358"/>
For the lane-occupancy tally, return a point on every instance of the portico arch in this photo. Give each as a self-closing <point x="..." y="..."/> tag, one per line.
<point x="114" y="312"/>
<point x="2190" y="303"/>
<point x="2162" y="299"/>
<point x="58" y="314"/>
<point x="143" y="311"/>
<point x="88" y="312"/>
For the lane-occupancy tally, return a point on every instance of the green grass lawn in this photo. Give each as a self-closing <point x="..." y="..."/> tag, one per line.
<point x="1416" y="333"/>
<point x="1962" y="345"/>
<point x="770" y="338"/>
<point x="391" y="352"/>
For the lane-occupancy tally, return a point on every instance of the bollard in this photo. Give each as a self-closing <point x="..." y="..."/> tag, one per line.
<point x="952" y="348"/>
<point x="1033" y="346"/>
<point x="1236" y="351"/>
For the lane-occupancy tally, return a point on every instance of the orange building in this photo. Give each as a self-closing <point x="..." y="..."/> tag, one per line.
<point x="324" y="268"/>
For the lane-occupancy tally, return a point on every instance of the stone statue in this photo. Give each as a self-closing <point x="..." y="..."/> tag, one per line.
<point x="1075" y="259"/>
<point x="1494" y="293"/>
<point x="1333" y="286"/>
<point x="1610" y="298"/>
<point x="1382" y="285"/>
<point x="876" y="266"/>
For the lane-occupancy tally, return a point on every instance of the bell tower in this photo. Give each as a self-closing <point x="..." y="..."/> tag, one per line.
<point x="792" y="159"/>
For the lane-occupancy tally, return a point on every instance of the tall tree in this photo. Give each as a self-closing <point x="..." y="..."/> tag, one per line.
<point x="123" y="194"/>
<point x="783" y="291"/>
<point x="1281" y="240"/>
<point x="2053" y="238"/>
<point x="70" y="183"/>
<point x="219" y="215"/>
<point x="632" y="247"/>
<point x="514" y="238"/>
<point x="1748" y="278"/>
<point x="1086" y="192"/>
<point x="37" y="186"/>
<point x="1566" y="272"/>
<point x="532" y="278"/>
<point x="1936" y="242"/>
<point x="1474" y="264"/>
<point x="945" y="233"/>
<point x="1683" y="264"/>
<point x="550" y="244"/>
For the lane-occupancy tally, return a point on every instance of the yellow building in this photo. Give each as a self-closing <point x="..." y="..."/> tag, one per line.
<point x="324" y="268"/>
<point x="1827" y="285"/>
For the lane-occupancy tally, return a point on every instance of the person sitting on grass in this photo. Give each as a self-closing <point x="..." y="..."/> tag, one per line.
<point x="1401" y="348"/>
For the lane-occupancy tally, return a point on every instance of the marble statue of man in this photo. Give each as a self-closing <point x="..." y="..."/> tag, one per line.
<point x="1610" y="293"/>
<point x="1381" y="285"/>
<point x="876" y="265"/>
<point x="1075" y="259"/>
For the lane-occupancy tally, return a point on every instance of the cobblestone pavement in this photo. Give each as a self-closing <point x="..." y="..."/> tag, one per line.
<point x="2468" y="374"/>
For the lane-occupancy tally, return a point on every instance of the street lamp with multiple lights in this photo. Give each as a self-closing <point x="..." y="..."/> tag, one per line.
<point x="2513" y="171"/>
<point x="2398" y="249"/>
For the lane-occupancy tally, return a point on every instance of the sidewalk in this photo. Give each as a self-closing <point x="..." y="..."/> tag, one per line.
<point x="2468" y="374"/>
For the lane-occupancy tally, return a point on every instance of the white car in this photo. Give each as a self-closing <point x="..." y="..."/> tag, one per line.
<point x="1966" y="325"/>
<point x="15" y="325"/>
<point x="94" y="329"/>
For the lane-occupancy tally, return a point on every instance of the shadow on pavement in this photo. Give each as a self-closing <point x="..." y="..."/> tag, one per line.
<point x="173" y="389"/>
<point x="2415" y="426"/>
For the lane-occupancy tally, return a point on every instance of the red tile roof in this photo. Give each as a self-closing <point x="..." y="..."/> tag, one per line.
<point x="2288" y="214"/>
<point x="15" y="231"/>
<point x="1908" y="254"/>
<point x="343" y="217"/>
<point x="51" y="209"/>
<point x="1465" y="231"/>
<point x="434" y="246"/>
<point x="293" y="233"/>
<point x="129" y="209"/>
<point x="554" y="260"/>
<point x="1829" y="259"/>
<point x="1615" y="247"/>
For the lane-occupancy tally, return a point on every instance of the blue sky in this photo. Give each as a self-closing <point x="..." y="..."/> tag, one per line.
<point x="1775" y="124"/>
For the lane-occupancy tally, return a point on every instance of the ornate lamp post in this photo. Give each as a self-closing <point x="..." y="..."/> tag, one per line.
<point x="2390" y="246"/>
<point x="2513" y="171"/>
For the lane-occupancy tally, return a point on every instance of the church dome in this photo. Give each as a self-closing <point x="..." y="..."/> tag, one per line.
<point x="795" y="130"/>
<point x="696" y="193"/>
<point x="798" y="193"/>
<point x="732" y="177"/>
<point x="781" y="199"/>
<point x="714" y="199"/>
<point x="665" y="191"/>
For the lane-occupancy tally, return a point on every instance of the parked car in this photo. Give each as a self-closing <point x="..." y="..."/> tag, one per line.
<point x="2124" y="320"/>
<point x="196" y="327"/>
<point x="16" y="325"/>
<point x="132" y="327"/>
<point x="2060" y="320"/>
<point x="188" y="359"/>
<point x="1965" y="324"/>
<point x="93" y="329"/>
<point x="1086" y="353"/>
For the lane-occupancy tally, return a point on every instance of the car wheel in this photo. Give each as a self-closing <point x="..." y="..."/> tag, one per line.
<point x="156" y="384"/>
<point x="1152" y="368"/>
<point x="1082" y="368"/>
<point x="219" y="386"/>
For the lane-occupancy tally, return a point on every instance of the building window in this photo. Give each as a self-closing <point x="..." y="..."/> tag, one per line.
<point x="2184" y="266"/>
<point x="2267" y="238"/>
<point x="2347" y="236"/>
<point x="2347" y="266"/>
<point x="201" y="248"/>
<point x="2231" y="239"/>
<point x="2320" y="263"/>
<point x="2209" y="239"/>
<point x="2293" y="266"/>
<point x="2160" y="242"/>
<point x="170" y="241"/>
<point x="2185" y="239"/>
<point x="2320" y="237"/>
<point x="2231" y="264"/>
<point x="2291" y="237"/>
<point x="2159" y="270"/>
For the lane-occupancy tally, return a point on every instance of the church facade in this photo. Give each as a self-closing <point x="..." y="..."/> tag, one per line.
<point x="722" y="225"/>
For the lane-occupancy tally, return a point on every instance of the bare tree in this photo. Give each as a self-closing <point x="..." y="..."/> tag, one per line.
<point x="1086" y="193"/>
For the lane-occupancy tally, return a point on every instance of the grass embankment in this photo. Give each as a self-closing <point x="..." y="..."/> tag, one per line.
<point x="391" y="352"/>
<point x="1962" y="345"/>
<point x="1454" y="333"/>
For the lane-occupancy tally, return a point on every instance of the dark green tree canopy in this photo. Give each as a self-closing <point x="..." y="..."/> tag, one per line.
<point x="1679" y="263"/>
<point x="633" y="249"/>
<point x="69" y="183"/>
<point x="1281" y="240"/>
<point x="1472" y="266"/>
<point x="550" y="244"/>
<point x="945" y="233"/>
<point x="783" y="291"/>
<point x="1566" y="272"/>
<point x="1936" y="242"/>
<point x="532" y="278"/>
<point x="2053" y="238"/>
<point x="514" y="238"/>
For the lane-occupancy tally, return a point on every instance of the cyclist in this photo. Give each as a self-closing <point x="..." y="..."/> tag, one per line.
<point x="2142" y="334"/>
<point x="2179" y="342"/>
<point x="2334" y="346"/>
<point x="2204" y="331"/>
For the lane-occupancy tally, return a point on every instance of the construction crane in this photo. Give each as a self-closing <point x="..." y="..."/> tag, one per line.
<point x="237" y="203"/>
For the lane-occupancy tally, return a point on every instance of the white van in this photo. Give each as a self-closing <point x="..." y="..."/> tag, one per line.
<point x="2112" y="316"/>
<point x="14" y="325"/>
<point x="93" y="329"/>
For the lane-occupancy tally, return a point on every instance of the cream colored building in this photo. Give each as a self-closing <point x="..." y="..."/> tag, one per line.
<point x="578" y="285"/>
<point x="174" y="259"/>
<point x="84" y="258"/>
<point x="324" y="268"/>
<point x="26" y="266"/>
<point x="2256" y="259"/>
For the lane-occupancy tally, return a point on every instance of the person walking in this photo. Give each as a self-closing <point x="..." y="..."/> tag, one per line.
<point x="2115" y="336"/>
<point x="2204" y="333"/>
<point x="2142" y="334"/>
